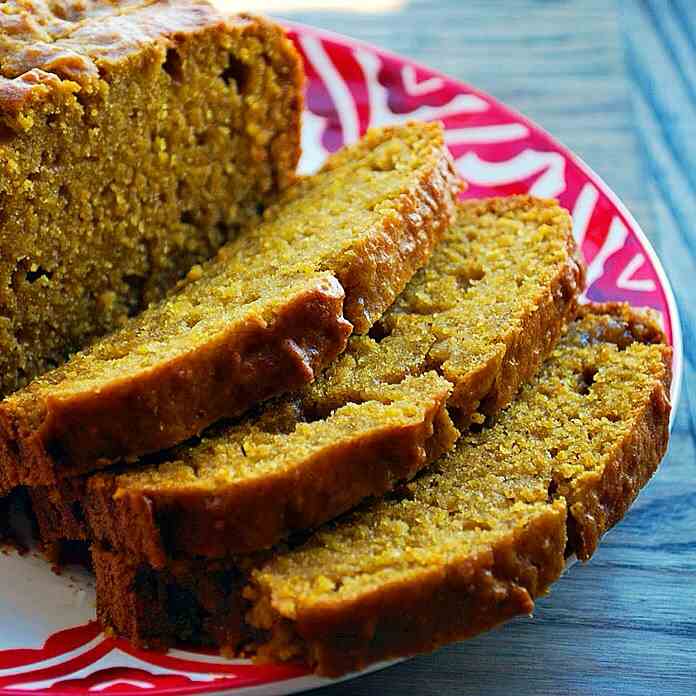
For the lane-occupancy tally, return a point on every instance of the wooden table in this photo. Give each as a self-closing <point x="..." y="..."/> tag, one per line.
<point x="615" y="81"/>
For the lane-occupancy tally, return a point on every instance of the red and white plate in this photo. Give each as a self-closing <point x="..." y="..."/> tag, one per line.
<point x="49" y="642"/>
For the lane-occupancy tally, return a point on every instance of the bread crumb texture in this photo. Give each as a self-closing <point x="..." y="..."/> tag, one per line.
<point x="136" y="138"/>
<point x="263" y="317"/>
<point x="580" y="440"/>
<point x="466" y="332"/>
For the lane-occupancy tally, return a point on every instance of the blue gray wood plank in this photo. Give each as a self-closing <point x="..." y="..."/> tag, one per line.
<point x="616" y="82"/>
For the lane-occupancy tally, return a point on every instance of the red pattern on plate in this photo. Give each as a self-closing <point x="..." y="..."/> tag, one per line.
<point x="57" y="644"/>
<point x="352" y="86"/>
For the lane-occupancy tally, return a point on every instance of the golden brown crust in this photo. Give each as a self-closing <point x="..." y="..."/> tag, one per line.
<point x="17" y="93"/>
<point x="489" y="391"/>
<point x="597" y="502"/>
<point x="374" y="275"/>
<point x="33" y="36"/>
<point x="47" y="20"/>
<point x="244" y="366"/>
<point x="160" y="525"/>
<point x="202" y="601"/>
<point x="451" y="603"/>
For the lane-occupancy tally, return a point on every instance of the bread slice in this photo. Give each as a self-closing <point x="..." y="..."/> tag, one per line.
<point x="468" y="330"/>
<point x="466" y="545"/>
<point x="262" y="318"/>
<point x="135" y="139"/>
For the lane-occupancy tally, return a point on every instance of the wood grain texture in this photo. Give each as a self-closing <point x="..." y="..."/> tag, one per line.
<point x="616" y="82"/>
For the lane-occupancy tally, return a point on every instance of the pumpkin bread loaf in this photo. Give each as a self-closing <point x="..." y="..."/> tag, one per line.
<point x="467" y="544"/>
<point x="264" y="317"/>
<point x="467" y="331"/>
<point x="135" y="139"/>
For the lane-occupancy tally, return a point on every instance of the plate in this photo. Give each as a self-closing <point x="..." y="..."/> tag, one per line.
<point x="49" y="641"/>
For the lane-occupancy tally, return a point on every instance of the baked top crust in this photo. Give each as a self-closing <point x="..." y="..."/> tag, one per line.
<point x="79" y="41"/>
